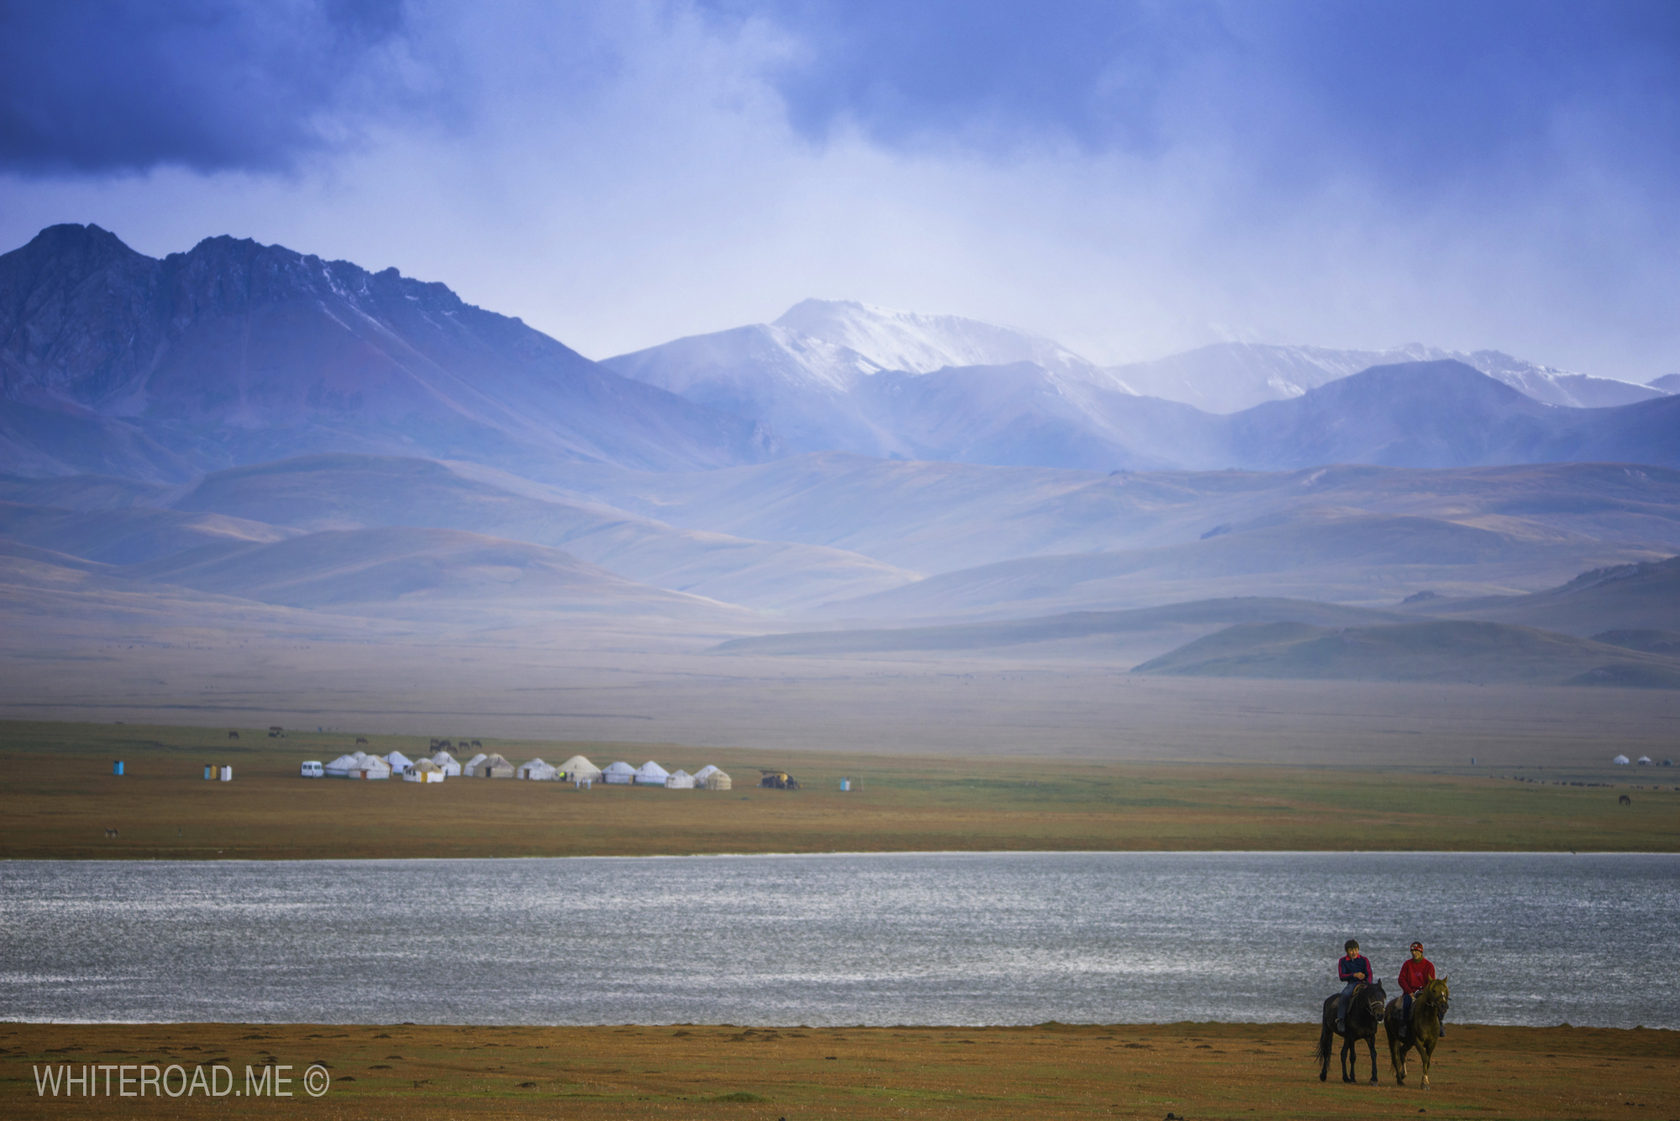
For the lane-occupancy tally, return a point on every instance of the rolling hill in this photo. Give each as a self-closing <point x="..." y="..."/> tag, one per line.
<point x="1458" y="651"/>
<point x="346" y="491"/>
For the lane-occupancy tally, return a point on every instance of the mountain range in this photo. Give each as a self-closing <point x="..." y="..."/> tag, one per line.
<point x="832" y="375"/>
<point x="247" y="438"/>
<point x="234" y="352"/>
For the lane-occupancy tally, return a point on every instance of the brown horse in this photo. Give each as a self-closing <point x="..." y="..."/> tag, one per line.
<point x="1365" y="1012"/>
<point x="1428" y="1006"/>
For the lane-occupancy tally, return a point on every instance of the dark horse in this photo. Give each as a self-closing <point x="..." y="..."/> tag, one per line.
<point x="1428" y="1006"/>
<point x="1365" y="1012"/>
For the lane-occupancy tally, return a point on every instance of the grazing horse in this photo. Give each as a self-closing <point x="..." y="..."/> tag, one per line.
<point x="1365" y="1012"/>
<point x="1428" y="1006"/>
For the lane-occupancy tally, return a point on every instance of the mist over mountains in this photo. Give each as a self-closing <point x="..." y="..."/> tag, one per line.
<point x="243" y="440"/>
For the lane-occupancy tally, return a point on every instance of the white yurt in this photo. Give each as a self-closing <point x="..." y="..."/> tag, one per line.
<point x="424" y="771"/>
<point x="1643" y="761"/>
<point x="340" y="767"/>
<point x="652" y="774"/>
<point x="539" y="770"/>
<point x="712" y="778"/>
<point x="680" y="780"/>
<point x="400" y="763"/>
<point x="1620" y="760"/>
<point x="492" y="766"/>
<point x="702" y="775"/>
<point x="447" y="762"/>
<point x="470" y="766"/>
<point x="368" y="766"/>
<point x="577" y="768"/>
<point x="619" y="773"/>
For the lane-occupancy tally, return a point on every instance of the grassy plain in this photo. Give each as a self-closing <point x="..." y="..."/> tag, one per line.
<point x="61" y="798"/>
<point x="1253" y="1072"/>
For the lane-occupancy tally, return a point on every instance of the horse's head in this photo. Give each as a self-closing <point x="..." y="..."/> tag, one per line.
<point x="1435" y="994"/>
<point x="1375" y="999"/>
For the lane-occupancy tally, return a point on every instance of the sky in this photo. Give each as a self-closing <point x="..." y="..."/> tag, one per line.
<point x="1131" y="178"/>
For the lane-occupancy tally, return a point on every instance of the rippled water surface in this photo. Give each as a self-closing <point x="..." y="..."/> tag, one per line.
<point x="1012" y="938"/>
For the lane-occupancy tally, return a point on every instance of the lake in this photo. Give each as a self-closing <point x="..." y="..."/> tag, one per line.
<point x="902" y="938"/>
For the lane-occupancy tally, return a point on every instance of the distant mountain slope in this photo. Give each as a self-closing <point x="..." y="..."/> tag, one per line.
<point x="823" y="395"/>
<point x="1444" y="414"/>
<point x="1231" y="377"/>
<point x="1024" y="416"/>
<point x="127" y="536"/>
<point x="405" y="570"/>
<point x="1628" y="597"/>
<point x="237" y="352"/>
<point x="1336" y="555"/>
<point x="942" y="517"/>
<point x="1419" y="414"/>
<point x="918" y="343"/>
<point x="1458" y="651"/>
<point x="847" y="376"/>
<point x="346" y="491"/>
<point x="1052" y="629"/>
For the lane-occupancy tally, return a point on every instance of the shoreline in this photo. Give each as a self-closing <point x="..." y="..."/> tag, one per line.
<point x="843" y="854"/>
<point x="1204" y="1071"/>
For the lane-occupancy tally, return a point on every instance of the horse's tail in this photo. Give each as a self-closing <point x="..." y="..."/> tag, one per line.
<point x="1325" y="1034"/>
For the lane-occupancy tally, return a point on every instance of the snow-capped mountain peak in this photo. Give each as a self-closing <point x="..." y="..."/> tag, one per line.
<point x="919" y="343"/>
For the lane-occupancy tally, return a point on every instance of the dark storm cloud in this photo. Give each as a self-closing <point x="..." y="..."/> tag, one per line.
<point x="1412" y="97"/>
<point x="102" y="86"/>
<point x="988" y="72"/>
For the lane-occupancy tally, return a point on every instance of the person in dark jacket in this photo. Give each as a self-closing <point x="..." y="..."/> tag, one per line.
<point x="1354" y="969"/>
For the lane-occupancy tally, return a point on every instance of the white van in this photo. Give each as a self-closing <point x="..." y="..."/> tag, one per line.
<point x="312" y="769"/>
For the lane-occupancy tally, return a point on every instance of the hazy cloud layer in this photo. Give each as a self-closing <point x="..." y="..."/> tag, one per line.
<point x="1129" y="177"/>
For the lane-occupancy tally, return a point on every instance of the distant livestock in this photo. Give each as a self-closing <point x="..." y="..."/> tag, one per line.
<point x="232" y="735"/>
<point x="361" y="741"/>
<point x="1624" y="800"/>
<point x="275" y="730"/>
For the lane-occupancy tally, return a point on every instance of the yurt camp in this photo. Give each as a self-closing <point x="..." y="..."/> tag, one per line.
<point x="447" y="762"/>
<point x="467" y="767"/>
<point x="680" y="780"/>
<point x="652" y="774"/>
<point x="711" y="778"/>
<point x="538" y="770"/>
<point x="400" y="763"/>
<point x="619" y="773"/>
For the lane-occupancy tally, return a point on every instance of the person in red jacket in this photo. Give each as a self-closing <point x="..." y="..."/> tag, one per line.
<point x="1417" y="972"/>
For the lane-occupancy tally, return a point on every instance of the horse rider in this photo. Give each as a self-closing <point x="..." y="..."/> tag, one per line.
<point x="1354" y="969"/>
<point x="1417" y="972"/>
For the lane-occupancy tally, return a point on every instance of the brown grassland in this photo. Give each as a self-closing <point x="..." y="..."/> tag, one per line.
<point x="61" y="798"/>
<point x="1245" y="1072"/>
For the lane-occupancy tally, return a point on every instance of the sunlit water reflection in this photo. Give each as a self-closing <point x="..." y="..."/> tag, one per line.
<point x="990" y="938"/>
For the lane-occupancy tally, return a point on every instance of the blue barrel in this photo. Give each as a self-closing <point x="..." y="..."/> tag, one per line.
<point x="116" y="768"/>
<point x="207" y="770"/>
